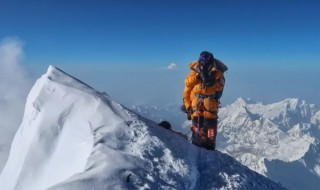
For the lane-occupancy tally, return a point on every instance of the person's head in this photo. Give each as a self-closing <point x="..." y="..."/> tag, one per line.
<point x="206" y="61"/>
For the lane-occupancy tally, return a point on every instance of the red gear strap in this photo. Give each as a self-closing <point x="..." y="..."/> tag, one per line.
<point x="211" y="133"/>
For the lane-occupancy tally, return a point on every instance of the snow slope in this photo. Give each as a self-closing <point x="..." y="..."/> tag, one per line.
<point x="75" y="138"/>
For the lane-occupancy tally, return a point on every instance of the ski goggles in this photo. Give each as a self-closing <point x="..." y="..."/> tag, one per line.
<point x="203" y="59"/>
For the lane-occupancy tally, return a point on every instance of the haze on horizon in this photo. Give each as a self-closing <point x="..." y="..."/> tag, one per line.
<point x="138" y="52"/>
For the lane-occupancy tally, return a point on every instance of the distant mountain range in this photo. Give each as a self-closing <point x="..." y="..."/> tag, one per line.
<point x="279" y="140"/>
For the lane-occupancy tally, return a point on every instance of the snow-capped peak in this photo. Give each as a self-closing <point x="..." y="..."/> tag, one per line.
<point x="75" y="138"/>
<point x="258" y="134"/>
<point x="316" y="119"/>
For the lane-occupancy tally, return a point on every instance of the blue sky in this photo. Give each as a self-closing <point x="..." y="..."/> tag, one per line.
<point x="268" y="45"/>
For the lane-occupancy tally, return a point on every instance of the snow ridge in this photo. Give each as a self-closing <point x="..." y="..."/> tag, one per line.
<point x="75" y="138"/>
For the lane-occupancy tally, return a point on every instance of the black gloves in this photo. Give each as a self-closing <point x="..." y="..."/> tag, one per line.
<point x="187" y="111"/>
<point x="184" y="109"/>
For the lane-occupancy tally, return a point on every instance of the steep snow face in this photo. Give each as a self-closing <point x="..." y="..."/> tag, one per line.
<point x="43" y="151"/>
<point x="75" y="138"/>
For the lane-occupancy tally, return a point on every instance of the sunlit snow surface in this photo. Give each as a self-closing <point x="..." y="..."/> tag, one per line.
<point x="75" y="138"/>
<point x="265" y="131"/>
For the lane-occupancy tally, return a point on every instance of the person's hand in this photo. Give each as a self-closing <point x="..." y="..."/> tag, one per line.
<point x="183" y="109"/>
<point x="188" y="111"/>
<point x="189" y="115"/>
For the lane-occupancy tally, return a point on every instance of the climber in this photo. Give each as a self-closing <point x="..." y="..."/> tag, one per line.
<point x="201" y="98"/>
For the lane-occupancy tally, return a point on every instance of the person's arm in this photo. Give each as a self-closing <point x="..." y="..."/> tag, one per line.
<point x="219" y="86"/>
<point x="190" y="81"/>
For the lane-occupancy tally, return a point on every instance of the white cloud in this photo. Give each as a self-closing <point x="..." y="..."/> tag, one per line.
<point x="172" y="66"/>
<point x="14" y="87"/>
<point x="13" y="77"/>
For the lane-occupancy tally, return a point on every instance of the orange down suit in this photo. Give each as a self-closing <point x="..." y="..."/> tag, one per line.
<point x="194" y="90"/>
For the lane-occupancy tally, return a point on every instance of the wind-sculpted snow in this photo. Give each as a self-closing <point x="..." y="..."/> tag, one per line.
<point x="75" y="138"/>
